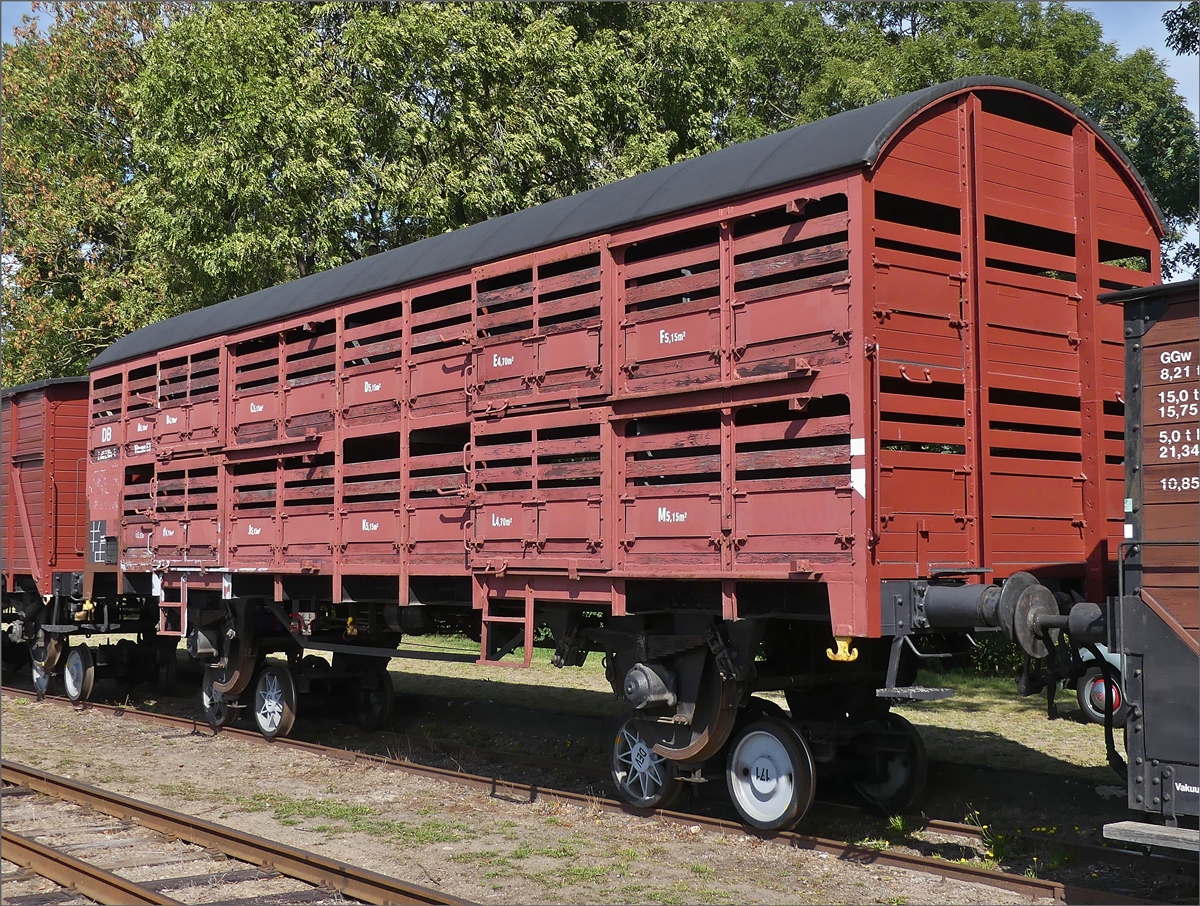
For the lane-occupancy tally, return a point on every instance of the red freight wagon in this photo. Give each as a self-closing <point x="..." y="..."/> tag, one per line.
<point x="748" y="422"/>
<point x="43" y="445"/>
<point x="48" y="540"/>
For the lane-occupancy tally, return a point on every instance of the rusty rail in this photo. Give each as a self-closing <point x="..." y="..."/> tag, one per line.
<point x="526" y="792"/>
<point x="75" y="874"/>
<point x="312" y="868"/>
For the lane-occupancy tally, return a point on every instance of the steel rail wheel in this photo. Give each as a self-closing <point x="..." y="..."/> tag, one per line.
<point x="216" y="704"/>
<point x="771" y="776"/>
<point x="275" y="701"/>
<point x="79" y="673"/>
<point x="643" y="778"/>
<point x="899" y="770"/>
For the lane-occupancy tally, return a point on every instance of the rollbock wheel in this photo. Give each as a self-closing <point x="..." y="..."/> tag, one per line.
<point x="79" y="674"/>
<point x="236" y="676"/>
<point x="45" y="650"/>
<point x="643" y="777"/>
<point x="41" y="677"/>
<point x="898" y="766"/>
<point x="1090" y="692"/>
<point x="375" y="696"/>
<point x="770" y="775"/>
<point x="217" y="710"/>
<point x="275" y="701"/>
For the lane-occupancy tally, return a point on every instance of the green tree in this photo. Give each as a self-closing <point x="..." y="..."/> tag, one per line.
<point x="69" y="288"/>
<point x="1183" y="27"/>
<point x="158" y="158"/>
<point x="878" y="50"/>
<point x="277" y="141"/>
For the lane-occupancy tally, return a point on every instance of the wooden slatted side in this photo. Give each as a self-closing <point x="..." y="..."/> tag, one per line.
<point x="792" y="486"/>
<point x="538" y="327"/>
<point x="790" y="289"/>
<point x="671" y="305"/>
<point x="254" y="403"/>
<point x="372" y="371"/>
<point x="435" y="513"/>
<point x="442" y="333"/>
<point x="921" y="323"/>
<point x="1037" y="455"/>
<point x="370" y="500"/>
<point x="537" y="487"/>
<point x="310" y="370"/>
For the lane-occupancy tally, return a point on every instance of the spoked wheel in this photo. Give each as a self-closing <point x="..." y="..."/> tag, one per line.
<point x="275" y="701"/>
<point x="217" y="710"/>
<point x="375" y="696"/>
<point x="1090" y="692"/>
<point x="79" y="674"/>
<point x="898" y="766"/>
<point x="642" y="776"/>
<point x="770" y="775"/>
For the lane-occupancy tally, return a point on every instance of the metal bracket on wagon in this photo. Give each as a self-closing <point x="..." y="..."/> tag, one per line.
<point x="724" y="655"/>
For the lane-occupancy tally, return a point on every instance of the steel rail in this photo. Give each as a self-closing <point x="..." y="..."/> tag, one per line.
<point x="75" y="874"/>
<point x="312" y="868"/>
<point x="525" y="792"/>
<point x="1128" y="858"/>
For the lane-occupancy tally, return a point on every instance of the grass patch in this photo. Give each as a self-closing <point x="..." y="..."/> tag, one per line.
<point x="358" y="818"/>
<point x="703" y="871"/>
<point x="185" y="790"/>
<point x="873" y="842"/>
<point x="576" y="874"/>
<point x="562" y="851"/>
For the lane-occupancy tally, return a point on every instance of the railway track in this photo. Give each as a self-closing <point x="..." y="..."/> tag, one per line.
<point x="1026" y="841"/>
<point x="291" y="875"/>
<point x="518" y="791"/>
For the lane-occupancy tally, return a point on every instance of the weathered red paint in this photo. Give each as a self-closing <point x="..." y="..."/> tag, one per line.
<point x="43" y="442"/>
<point x="872" y="375"/>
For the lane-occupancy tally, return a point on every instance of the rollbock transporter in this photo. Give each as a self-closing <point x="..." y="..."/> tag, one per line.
<point x="750" y="422"/>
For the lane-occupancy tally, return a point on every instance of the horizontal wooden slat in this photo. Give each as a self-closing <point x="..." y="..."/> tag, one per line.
<point x="676" y="286"/>
<point x="793" y="232"/>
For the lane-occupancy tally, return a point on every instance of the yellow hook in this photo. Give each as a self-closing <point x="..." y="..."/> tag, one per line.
<point x="845" y="654"/>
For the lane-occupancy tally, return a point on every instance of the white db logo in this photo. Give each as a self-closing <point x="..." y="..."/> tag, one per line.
<point x="106" y="435"/>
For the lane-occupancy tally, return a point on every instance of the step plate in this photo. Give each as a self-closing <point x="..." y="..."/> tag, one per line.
<point x="915" y="693"/>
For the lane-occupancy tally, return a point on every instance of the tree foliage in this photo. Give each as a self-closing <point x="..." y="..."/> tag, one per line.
<point x="160" y="158"/>
<point x="69" y="289"/>
<point x="1183" y="28"/>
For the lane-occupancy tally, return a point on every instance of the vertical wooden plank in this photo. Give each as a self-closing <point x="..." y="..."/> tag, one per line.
<point x="974" y="375"/>
<point x="1095" y="519"/>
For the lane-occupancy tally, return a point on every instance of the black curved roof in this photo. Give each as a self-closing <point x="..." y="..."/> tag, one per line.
<point x="848" y="140"/>
<point x="40" y="385"/>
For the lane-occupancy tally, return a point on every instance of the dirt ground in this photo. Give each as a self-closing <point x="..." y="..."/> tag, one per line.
<point x="441" y="835"/>
<point x="995" y="760"/>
